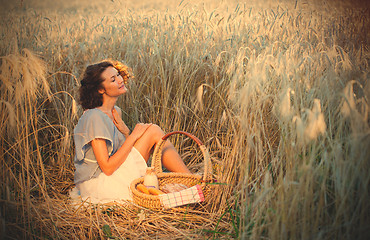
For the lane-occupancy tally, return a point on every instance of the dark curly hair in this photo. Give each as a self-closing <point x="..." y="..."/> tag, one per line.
<point x="89" y="96"/>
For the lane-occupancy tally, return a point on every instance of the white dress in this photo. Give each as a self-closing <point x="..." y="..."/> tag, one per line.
<point x="92" y="185"/>
<point x="116" y="187"/>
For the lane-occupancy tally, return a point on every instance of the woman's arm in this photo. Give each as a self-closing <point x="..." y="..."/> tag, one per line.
<point x="110" y="164"/>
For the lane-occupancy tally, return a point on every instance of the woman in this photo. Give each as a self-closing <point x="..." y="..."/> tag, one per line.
<point x="108" y="156"/>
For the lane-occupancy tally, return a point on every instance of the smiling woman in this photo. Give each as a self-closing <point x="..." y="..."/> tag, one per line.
<point x="113" y="85"/>
<point x="108" y="155"/>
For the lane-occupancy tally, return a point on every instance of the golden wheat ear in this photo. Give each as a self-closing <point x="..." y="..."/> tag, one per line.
<point x="123" y="70"/>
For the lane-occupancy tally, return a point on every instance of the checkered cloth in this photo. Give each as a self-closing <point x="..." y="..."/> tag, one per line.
<point x="190" y="195"/>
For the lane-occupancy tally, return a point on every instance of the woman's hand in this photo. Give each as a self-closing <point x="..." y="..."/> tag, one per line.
<point x="109" y="164"/>
<point x="120" y="124"/>
<point x="140" y="129"/>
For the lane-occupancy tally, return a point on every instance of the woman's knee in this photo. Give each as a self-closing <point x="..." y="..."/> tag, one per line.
<point x="147" y="141"/>
<point x="155" y="132"/>
<point x="151" y="137"/>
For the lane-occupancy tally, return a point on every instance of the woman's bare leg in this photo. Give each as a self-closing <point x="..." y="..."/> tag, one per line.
<point x="172" y="160"/>
<point x="170" y="157"/>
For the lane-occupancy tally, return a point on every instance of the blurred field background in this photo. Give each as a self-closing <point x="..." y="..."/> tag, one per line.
<point x="278" y="91"/>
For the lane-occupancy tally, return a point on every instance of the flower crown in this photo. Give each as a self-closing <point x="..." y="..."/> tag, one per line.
<point x="123" y="70"/>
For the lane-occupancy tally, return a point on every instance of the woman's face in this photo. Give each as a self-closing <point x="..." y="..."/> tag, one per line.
<point x="112" y="84"/>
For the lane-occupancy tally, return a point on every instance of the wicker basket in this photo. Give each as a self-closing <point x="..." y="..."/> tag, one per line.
<point x="154" y="202"/>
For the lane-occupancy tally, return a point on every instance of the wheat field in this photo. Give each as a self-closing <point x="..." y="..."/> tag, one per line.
<point x="277" y="90"/>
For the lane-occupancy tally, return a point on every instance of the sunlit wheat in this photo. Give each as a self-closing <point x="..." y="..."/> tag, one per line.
<point x="277" y="90"/>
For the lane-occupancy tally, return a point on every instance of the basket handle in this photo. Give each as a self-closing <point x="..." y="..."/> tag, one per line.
<point x="157" y="155"/>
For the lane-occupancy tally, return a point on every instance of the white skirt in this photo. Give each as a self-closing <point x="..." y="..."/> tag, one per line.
<point x="113" y="188"/>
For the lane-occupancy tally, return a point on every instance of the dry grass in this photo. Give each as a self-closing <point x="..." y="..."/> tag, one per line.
<point x="279" y="92"/>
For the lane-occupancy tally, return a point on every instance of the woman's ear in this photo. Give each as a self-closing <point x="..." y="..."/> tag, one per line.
<point x="101" y="91"/>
